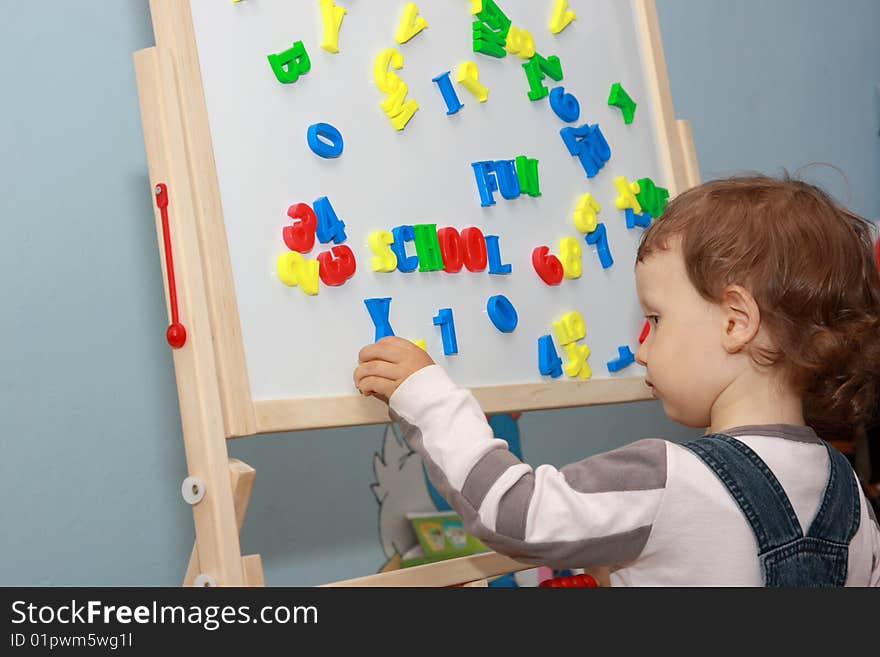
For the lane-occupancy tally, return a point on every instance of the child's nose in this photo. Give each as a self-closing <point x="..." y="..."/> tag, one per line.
<point x="642" y="354"/>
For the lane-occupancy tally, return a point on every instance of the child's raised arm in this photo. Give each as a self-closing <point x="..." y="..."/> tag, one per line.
<point x="597" y="512"/>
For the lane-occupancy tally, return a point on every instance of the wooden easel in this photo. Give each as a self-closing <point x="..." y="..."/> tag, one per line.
<point x="212" y="383"/>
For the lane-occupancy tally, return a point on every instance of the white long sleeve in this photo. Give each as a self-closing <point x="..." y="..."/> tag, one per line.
<point x="652" y="511"/>
<point x="596" y="512"/>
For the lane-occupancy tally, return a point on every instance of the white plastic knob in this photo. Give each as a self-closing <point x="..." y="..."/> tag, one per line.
<point x="203" y="581"/>
<point x="193" y="490"/>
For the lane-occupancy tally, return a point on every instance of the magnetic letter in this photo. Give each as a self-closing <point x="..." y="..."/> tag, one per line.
<point x="494" y="251"/>
<point x="403" y="234"/>
<point x="291" y="63"/>
<point x="427" y="247"/>
<point x="379" y="310"/>
<point x="383" y="259"/>
<point x="453" y="104"/>
<point x="331" y="15"/>
<point x="411" y="23"/>
<point x="468" y="75"/>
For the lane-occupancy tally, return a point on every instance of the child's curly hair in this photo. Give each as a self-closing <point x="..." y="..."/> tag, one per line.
<point x="809" y="263"/>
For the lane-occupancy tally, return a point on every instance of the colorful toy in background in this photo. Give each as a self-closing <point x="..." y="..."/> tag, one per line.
<point x="441" y="536"/>
<point x="569" y="581"/>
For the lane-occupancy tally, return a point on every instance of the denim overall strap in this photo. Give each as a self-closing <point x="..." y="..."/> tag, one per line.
<point x="839" y="514"/>
<point x="787" y="557"/>
<point x="753" y="486"/>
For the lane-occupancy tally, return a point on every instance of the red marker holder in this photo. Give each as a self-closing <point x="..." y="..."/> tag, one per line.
<point x="645" y="330"/>
<point x="176" y="333"/>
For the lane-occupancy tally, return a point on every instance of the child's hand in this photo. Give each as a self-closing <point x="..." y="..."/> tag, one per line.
<point x="383" y="366"/>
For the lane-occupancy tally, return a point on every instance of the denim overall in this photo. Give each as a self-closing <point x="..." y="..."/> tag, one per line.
<point x="787" y="557"/>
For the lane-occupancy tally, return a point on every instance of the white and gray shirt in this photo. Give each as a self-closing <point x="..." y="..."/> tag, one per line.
<point x="651" y="511"/>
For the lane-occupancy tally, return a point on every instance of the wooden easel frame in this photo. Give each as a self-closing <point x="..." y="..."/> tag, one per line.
<point x="212" y="380"/>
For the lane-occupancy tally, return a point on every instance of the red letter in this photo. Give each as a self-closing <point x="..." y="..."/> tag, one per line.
<point x="475" y="254"/>
<point x="336" y="265"/>
<point x="451" y="249"/>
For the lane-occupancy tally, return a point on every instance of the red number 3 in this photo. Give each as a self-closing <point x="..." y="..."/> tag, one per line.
<point x="301" y="235"/>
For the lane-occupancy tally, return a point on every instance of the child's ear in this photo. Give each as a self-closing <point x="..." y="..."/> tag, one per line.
<point x="742" y="319"/>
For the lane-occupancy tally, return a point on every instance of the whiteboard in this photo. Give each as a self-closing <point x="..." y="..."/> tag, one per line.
<point x="298" y="346"/>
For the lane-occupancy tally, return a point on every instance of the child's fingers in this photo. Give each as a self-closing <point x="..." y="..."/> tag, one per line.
<point x="377" y="386"/>
<point x="391" y="349"/>
<point x="374" y="352"/>
<point x="379" y="368"/>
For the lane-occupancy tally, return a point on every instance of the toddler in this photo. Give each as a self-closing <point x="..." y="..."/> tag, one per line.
<point x="764" y="305"/>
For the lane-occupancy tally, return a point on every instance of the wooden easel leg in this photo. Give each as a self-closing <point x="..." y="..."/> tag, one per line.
<point x="691" y="167"/>
<point x="241" y="478"/>
<point x="195" y="365"/>
<point x="253" y="570"/>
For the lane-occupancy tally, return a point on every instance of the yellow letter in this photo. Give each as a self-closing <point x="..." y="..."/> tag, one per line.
<point x="520" y="42"/>
<point x="468" y="75"/>
<point x="561" y="16"/>
<point x="577" y="364"/>
<point x="384" y="259"/>
<point x="398" y="111"/>
<point x="399" y="121"/>
<point x="332" y="15"/>
<point x="586" y="214"/>
<point x="627" y="199"/>
<point x="410" y="23"/>
<point x="386" y="80"/>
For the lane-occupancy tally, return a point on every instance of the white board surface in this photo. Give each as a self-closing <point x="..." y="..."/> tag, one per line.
<point x="299" y="346"/>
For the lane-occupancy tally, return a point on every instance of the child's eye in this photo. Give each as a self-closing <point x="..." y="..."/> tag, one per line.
<point x="654" y="319"/>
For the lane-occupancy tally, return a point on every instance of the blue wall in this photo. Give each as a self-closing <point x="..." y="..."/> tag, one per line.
<point x="92" y="451"/>
<point x="781" y="83"/>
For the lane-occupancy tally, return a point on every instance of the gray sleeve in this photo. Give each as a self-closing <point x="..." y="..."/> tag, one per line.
<point x="581" y="490"/>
